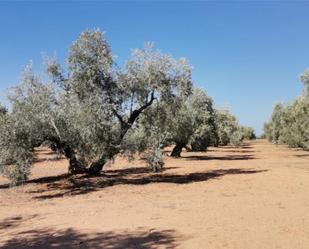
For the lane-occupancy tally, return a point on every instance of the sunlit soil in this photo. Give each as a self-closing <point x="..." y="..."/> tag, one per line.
<point x="252" y="196"/>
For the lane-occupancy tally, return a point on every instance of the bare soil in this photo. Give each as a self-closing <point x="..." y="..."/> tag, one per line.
<point x="252" y="196"/>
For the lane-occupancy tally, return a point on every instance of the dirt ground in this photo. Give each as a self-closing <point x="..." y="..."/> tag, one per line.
<point x="252" y="196"/>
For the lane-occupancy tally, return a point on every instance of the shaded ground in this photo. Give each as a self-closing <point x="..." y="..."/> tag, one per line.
<point x="251" y="196"/>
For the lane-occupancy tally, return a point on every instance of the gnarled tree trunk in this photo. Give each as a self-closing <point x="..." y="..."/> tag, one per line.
<point x="96" y="167"/>
<point x="177" y="150"/>
<point x="75" y="167"/>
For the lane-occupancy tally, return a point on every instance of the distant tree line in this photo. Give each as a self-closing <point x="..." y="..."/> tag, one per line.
<point x="93" y="111"/>
<point x="289" y="123"/>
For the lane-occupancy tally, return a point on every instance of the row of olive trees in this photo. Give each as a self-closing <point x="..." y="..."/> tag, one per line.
<point x="289" y="123"/>
<point x="190" y="123"/>
<point x="93" y="110"/>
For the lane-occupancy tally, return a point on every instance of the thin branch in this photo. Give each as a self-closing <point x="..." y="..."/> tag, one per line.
<point x="122" y="122"/>
<point x="137" y="112"/>
<point x="131" y="104"/>
<point x="55" y="128"/>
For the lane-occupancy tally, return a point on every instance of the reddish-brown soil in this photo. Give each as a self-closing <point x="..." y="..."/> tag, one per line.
<point x="255" y="196"/>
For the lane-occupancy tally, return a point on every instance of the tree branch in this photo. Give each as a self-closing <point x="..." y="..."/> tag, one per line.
<point x="97" y="166"/>
<point x="55" y="128"/>
<point x="122" y="122"/>
<point x="138" y="111"/>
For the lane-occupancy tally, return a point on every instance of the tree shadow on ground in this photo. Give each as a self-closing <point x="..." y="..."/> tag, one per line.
<point x="226" y="148"/>
<point x="231" y="151"/>
<point x="49" y="159"/>
<point x="41" y="180"/>
<point x="228" y="157"/>
<point x="303" y="155"/>
<point x="109" y="173"/>
<point x="78" y="185"/>
<point x="14" y="221"/>
<point x="71" y="239"/>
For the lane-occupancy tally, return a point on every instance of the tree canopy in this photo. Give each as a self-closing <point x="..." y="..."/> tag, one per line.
<point x="289" y="123"/>
<point x="94" y="110"/>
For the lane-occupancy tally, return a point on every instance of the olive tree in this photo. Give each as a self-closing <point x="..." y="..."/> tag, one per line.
<point x="247" y="132"/>
<point x="15" y="144"/>
<point x="186" y="121"/>
<point x="289" y="123"/>
<point x="193" y="124"/>
<point x="228" y="129"/>
<point x="86" y="112"/>
<point x="150" y="135"/>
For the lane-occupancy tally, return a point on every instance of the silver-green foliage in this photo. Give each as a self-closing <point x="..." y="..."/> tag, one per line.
<point x="228" y="129"/>
<point x="14" y="153"/>
<point x="197" y="118"/>
<point x="150" y="135"/>
<point x="247" y="132"/>
<point x="289" y="123"/>
<point x="94" y="110"/>
<point x="3" y="109"/>
<point x="192" y="123"/>
<point x="21" y="128"/>
<point x="87" y="112"/>
<point x="204" y="132"/>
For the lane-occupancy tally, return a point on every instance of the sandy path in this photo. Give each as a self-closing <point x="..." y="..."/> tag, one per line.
<point x="253" y="196"/>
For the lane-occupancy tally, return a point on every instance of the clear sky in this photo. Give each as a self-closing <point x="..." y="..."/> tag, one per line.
<point x="247" y="55"/>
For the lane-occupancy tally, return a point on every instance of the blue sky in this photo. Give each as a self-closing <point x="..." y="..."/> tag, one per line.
<point x="247" y="55"/>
